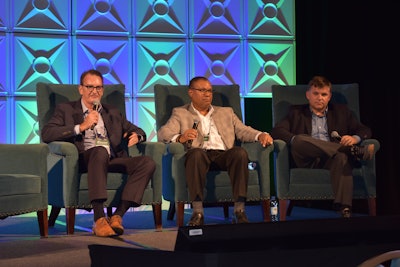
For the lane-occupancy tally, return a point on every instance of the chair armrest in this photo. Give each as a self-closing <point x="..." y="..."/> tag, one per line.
<point x="26" y="159"/>
<point x="261" y="156"/>
<point x="368" y="168"/>
<point x="281" y="167"/>
<point x="155" y="150"/>
<point x="64" y="183"/>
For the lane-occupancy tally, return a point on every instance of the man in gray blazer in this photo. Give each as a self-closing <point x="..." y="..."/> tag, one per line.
<point x="209" y="133"/>
<point x="101" y="132"/>
<point x="308" y="131"/>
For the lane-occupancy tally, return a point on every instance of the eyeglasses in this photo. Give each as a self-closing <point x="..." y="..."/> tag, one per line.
<point x="91" y="88"/>
<point x="203" y="91"/>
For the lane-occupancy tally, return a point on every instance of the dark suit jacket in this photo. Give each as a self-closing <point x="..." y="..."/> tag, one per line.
<point x="61" y="125"/>
<point x="339" y="118"/>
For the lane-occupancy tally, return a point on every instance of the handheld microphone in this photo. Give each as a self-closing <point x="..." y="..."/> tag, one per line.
<point x="189" y="142"/>
<point x="336" y="135"/>
<point x="96" y="105"/>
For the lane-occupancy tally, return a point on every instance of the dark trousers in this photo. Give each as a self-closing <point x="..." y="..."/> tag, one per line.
<point x="308" y="152"/>
<point x="198" y="162"/>
<point x="97" y="164"/>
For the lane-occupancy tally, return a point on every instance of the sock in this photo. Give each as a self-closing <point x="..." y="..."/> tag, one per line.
<point x="238" y="206"/>
<point x="122" y="208"/>
<point x="197" y="206"/>
<point x="98" y="209"/>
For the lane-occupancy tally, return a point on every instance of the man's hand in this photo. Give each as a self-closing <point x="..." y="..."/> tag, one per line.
<point x="133" y="139"/>
<point x="265" y="139"/>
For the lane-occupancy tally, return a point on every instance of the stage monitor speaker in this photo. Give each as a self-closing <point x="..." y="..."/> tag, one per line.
<point x="287" y="235"/>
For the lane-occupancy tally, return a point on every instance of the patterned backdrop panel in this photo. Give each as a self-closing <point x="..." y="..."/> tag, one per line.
<point x="139" y="43"/>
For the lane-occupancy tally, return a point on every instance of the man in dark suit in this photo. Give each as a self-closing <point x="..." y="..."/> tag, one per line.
<point x="308" y="131"/>
<point x="99" y="132"/>
<point x="211" y="146"/>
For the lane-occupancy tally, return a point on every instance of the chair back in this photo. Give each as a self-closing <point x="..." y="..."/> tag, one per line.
<point x="49" y="95"/>
<point x="166" y="97"/>
<point x="283" y="96"/>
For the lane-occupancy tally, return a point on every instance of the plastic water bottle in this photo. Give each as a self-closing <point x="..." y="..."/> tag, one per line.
<point x="274" y="209"/>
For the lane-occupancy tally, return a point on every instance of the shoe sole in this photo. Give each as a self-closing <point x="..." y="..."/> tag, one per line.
<point x="118" y="231"/>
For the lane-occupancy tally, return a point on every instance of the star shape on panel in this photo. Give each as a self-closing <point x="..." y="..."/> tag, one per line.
<point x="170" y="17"/>
<point x="92" y="15"/>
<point x="41" y="63"/>
<point x="226" y="18"/>
<point x="30" y="11"/>
<point x="33" y="118"/>
<point x="168" y="59"/>
<point x="261" y="76"/>
<point x="225" y="58"/>
<point x="277" y="18"/>
<point x="109" y="58"/>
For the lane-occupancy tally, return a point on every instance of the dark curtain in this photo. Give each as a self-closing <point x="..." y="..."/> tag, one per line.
<point x="355" y="41"/>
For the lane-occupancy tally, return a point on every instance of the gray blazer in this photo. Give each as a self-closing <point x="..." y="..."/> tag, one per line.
<point x="229" y="126"/>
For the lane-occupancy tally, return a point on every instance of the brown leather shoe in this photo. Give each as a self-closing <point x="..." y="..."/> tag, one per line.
<point x="197" y="219"/>
<point x="116" y="224"/>
<point x="346" y="212"/>
<point x="102" y="228"/>
<point x="240" y="217"/>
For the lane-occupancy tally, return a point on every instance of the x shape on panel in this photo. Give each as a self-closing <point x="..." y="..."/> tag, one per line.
<point x="217" y="11"/>
<point x="41" y="63"/>
<point x="160" y="10"/>
<point x="39" y="8"/>
<point x="105" y="61"/>
<point x="219" y="60"/>
<point x="268" y="13"/>
<point x="94" y="13"/>
<point x="269" y="67"/>
<point x="162" y="63"/>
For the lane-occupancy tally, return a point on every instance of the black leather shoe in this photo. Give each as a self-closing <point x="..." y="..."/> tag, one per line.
<point x="240" y="217"/>
<point x="359" y="152"/>
<point x="197" y="219"/>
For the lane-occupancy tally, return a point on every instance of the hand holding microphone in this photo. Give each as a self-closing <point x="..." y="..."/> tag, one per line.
<point x="190" y="141"/>
<point x="336" y="135"/>
<point x="96" y="105"/>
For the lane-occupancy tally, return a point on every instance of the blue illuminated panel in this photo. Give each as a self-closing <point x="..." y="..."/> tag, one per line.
<point x="267" y="64"/>
<point x="44" y="16"/>
<point x="139" y="43"/>
<point x="216" y="19"/>
<point x="219" y="60"/>
<point x="270" y="20"/>
<point x="161" y="18"/>
<point x="162" y="61"/>
<point x="112" y="56"/>
<point x="40" y="58"/>
<point x="102" y="17"/>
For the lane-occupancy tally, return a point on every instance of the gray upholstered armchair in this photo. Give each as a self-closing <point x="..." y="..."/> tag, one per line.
<point x="23" y="181"/>
<point x="218" y="186"/>
<point x="314" y="184"/>
<point x="67" y="187"/>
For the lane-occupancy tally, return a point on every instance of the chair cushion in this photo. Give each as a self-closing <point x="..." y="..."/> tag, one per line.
<point x="309" y="176"/>
<point x="19" y="184"/>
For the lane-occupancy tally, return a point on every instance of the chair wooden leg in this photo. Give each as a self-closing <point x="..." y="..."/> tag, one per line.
<point x="283" y="207"/>
<point x="226" y="209"/>
<point x="372" y="206"/>
<point x="157" y="216"/>
<point x="180" y="213"/>
<point x="70" y="220"/>
<point x="266" y="210"/>
<point x="171" y="211"/>
<point x="289" y="208"/>
<point x="43" y="223"/>
<point x="55" y="211"/>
